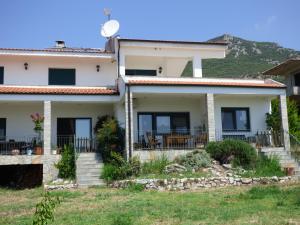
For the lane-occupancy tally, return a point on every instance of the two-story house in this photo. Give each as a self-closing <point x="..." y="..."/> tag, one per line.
<point x="290" y="69"/>
<point x="140" y="83"/>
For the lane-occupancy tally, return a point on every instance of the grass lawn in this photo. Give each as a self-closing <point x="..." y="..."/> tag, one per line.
<point x="239" y="205"/>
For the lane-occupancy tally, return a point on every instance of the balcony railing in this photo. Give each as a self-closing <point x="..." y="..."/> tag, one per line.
<point x="258" y="138"/>
<point x="27" y="145"/>
<point x="81" y="144"/>
<point x="187" y="139"/>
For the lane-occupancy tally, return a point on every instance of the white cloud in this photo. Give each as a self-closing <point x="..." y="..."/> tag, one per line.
<point x="267" y="24"/>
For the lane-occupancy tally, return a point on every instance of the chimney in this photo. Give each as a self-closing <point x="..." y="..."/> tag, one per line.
<point x="60" y="44"/>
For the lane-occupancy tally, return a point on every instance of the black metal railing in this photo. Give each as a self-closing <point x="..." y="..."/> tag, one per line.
<point x="295" y="147"/>
<point x="27" y="145"/>
<point x="260" y="139"/>
<point x="81" y="144"/>
<point x="187" y="139"/>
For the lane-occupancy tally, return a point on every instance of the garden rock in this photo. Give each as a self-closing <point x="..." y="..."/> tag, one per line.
<point x="175" y="168"/>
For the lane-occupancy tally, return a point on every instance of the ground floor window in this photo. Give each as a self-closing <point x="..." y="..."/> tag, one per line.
<point x="163" y="123"/>
<point x="235" y="119"/>
<point x="2" y="128"/>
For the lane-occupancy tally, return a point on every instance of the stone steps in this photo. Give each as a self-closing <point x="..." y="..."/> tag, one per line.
<point x="88" y="170"/>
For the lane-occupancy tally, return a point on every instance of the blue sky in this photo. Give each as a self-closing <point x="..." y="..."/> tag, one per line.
<point x="38" y="23"/>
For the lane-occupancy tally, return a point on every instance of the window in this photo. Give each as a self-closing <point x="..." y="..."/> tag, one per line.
<point x="137" y="72"/>
<point x="1" y="75"/>
<point x="2" y="129"/>
<point x="235" y="119"/>
<point x="297" y="79"/>
<point x="61" y="76"/>
<point x="163" y="123"/>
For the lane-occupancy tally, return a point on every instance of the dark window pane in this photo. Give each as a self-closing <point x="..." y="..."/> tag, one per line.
<point x="180" y="123"/>
<point x="228" y="120"/>
<point x="1" y="75"/>
<point x="297" y="79"/>
<point x="137" y="72"/>
<point x="145" y="126"/>
<point x="242" y="120"/>
<point x="163" y="124"/>
<point x="2" y="129"/>
<point x="61" y="76"/>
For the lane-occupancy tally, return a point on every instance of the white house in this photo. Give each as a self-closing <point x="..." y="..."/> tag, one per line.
<point x="137" y="81"/>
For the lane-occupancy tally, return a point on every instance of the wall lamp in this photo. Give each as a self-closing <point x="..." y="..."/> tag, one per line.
<point x="98" y="68"/>
<point x="159" y="69"/>
<point x="26" y="66"/>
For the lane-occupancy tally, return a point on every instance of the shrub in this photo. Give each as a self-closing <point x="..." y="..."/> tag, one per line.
<point x="110" y="137"/>
<point x="194" y="160"/>
<point x="266" y="167"/>
<point x="118" y="168"/>
<point x="237" y="152"/>
<point x="156" y="166"/>
<point x="66" y="166"/>
<point x="44" y="209"/>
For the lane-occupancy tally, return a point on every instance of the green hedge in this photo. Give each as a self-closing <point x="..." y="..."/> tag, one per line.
<point x="237" y="152"/>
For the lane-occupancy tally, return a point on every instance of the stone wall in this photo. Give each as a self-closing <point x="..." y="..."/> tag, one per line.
<point x="198" y="183"/>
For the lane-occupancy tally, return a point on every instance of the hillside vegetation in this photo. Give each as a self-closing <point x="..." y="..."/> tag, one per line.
<point x="244" y="58"/>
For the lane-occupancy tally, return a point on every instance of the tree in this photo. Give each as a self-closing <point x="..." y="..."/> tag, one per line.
<point x="273" y="119"/>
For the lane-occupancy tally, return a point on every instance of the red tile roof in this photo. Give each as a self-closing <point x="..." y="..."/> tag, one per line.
<point x="266" y="84"/>
<point x="57" y="90"/>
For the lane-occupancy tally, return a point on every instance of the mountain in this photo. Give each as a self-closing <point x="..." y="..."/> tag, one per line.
<point x="244" y="58"/>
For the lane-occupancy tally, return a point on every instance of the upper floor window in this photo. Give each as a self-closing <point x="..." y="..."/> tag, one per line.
<point x="1" y="75"/>
<point x="61" y="76"/>
<point x="138" y="72"/>
<point x="297" y="79"/>
<point x="235" y="119"/>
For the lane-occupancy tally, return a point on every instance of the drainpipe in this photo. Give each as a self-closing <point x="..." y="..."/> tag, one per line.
<point x="129" y="120"/>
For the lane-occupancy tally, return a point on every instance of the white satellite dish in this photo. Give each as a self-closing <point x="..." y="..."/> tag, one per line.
<point x="110" y="28"/>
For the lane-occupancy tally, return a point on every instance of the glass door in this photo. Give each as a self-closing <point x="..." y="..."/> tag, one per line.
<point x="83" y="134"/>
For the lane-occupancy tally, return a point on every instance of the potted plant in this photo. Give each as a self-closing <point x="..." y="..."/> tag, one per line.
<point x="38" y="120"/>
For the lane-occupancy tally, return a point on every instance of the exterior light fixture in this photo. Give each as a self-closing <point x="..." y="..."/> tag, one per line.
<point x="159" y="69"/>
<point x="26" y="66"/>
<point x="98" y="68"/>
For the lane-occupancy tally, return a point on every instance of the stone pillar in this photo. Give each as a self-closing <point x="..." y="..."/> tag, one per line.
<point x="284" y="121"/>
<point x="129" y="135"/>
<point x="211" y="127"/>
<point x="197" y="66"/>
<point x="47" y="127"/>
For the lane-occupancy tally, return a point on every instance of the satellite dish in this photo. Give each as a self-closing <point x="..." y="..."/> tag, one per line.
<point x="110" y="28"/>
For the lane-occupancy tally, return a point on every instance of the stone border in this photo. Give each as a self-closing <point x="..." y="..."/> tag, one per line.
<point x="177" y="184"/>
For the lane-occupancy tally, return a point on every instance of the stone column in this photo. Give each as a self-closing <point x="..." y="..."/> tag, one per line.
<point x="197" y="66"/>
<point x="284" y="121"/>
<point x="211" y="127"/>
<point x="47" y="127"/>
<point x="129" y="123"/>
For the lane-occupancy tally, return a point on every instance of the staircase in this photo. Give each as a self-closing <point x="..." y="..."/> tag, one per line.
<point x="285" y="158"/>
<point x="88" y="169"/>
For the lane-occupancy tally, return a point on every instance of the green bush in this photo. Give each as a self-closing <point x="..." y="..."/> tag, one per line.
<point x="118" y="168"/>
<point x="194" y="160"/>
<point x="156" y="166"/>
<point x="237" y="152"/>
<point x="110" y="137"/>
<point x="67" y="165"/>
<point x="266" y="167"/>
<point x="44" y="209"/>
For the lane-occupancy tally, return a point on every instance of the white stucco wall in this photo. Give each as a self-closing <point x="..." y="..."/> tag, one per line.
<point x="18" y="121"/>
<point x="74" y="110"/>
<point x="194" y="105"/>
<point x="37" y="73"/>
<point x="258" y="107"/>
<point x="119" y="113"/>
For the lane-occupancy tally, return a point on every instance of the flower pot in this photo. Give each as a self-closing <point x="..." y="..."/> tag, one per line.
<point x="29" y="151"/>
<point x="15" y="152"/>
<point x="39" y="150"/>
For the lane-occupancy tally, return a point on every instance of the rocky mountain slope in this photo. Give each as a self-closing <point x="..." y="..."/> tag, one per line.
<point x="244" y="58"/>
